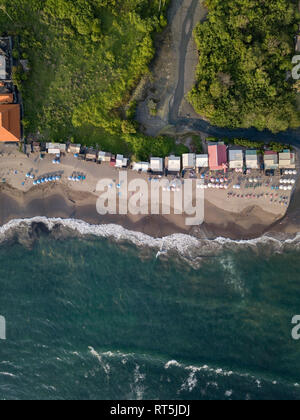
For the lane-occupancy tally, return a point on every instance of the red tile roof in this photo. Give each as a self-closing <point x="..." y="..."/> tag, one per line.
<point x="10" y="123"/>
<point x="217" y="155"/>
<point x="6" y="98"/>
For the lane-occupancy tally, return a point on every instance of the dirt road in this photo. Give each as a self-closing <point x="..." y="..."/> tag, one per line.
<point x="172" y="77"/>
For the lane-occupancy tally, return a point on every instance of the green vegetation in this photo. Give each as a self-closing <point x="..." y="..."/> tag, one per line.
<point x="246" y="49"/>
<point x="197" y="144"/>
<point x="249" y="144"/>
<point x="85" y="57"/>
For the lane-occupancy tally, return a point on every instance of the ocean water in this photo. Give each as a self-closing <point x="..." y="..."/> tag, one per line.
<point x="90" y="317"/>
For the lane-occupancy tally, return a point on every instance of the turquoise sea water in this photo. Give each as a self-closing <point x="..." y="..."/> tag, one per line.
<point x="92" y="319"/>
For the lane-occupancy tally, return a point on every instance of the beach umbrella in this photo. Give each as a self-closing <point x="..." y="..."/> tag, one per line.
<point x="294" y="172"/>
<point x="290" y="187"/>
<point x="28" y="175"/>
<point x="293" y="181"/>
<point x="70" y="178"/>
<point x="76" y="155"/>
<point x="34" y="182"/>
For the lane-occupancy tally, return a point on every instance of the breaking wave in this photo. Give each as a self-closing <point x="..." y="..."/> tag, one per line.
<point x="189" y="247"/>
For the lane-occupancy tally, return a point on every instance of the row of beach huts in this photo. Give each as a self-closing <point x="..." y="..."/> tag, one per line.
<point x="219" y="157"/>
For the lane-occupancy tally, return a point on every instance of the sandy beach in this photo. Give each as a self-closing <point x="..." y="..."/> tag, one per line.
<point x="243" y="214"/>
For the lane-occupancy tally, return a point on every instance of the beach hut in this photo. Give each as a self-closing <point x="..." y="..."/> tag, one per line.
<point x="61" y="146"/>
<point x="201" y="161"/>
<point x="145" y="166"/>
<point x="173" y="164"/>
<point x="91" y="155"/>
<point x="236" y="159"/>
<point x="287" y="160"/>
<point x="252" y="159"/>
<point x="157" y="165"/>
<point x="137" y="166"/>
<point x="141" y="166"/>
<point x="217" y="157"/>
<point x="271" y="160"/>
<point x="104" y="156"/>
<point x="113" y="161"/>
<point x="189" y="161"/>
<point x="54" y="151"/>
<point x="74" y="148"/>
<point x="121" y="162"/>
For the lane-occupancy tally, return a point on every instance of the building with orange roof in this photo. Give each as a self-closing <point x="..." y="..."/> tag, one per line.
<point x="10" y="123"/>
<point x="6" y="98"/>
<point x="217" y="157"/>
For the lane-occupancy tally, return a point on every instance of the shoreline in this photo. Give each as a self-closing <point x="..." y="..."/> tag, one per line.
<point x="58" y="202"/>
<point x="224" y="215"/>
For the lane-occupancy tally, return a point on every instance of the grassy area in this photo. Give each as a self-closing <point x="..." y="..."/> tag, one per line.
<point x="85" y="58"/>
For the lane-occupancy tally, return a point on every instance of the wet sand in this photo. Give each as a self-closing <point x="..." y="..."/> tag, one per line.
<point x="235" y="218"/>
<point x="60" y="202"/>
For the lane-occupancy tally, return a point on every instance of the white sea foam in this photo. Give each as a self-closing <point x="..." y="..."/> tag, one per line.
<point x="7" y="374"/>
<point x="98" y="356"/>
<point x="187" y="246"/>
<point x="228" y="394"/>
<point x="172" y="363"/>
<point x="138" y="387"/>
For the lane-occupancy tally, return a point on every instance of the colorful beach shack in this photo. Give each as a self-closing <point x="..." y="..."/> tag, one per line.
<point x="121" y="162"/>
<point x="217" y="157"/>
<point x="252" y="159"/>
<point x="287" y="160"/>
<point x="271" y="160"/>
<point x="173" y="165"/>
<point x="157" y="165"/>
<point x="236" y="159"/>
<point x="189" y="161"/>
<point x="201" y="161"/>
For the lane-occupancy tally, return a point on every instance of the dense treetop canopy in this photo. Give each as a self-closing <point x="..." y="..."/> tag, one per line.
<point x="85" y="57"/>
<point x="245" y="53"/>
